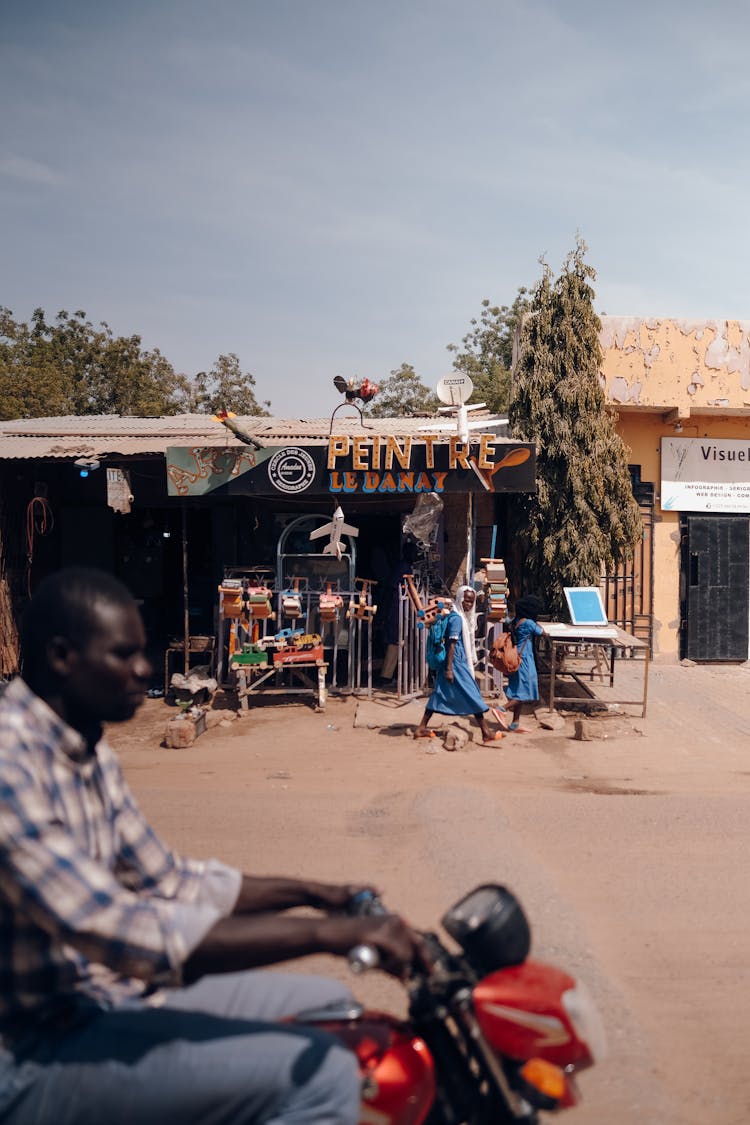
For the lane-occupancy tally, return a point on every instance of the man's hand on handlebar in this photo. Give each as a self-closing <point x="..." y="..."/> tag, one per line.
<point x="261" y="932"/>
<point x="259" y="894"/>
<point x="399" y="947"/>
<point x="338" y="896"/>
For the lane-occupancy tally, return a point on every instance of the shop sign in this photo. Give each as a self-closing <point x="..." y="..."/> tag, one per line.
<point x="291" y="470"/>
<point x="375" y="464"/>
<point x="705" y="475"/>
<point x="434" y="463"/>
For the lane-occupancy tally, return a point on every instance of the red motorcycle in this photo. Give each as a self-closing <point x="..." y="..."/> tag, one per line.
<point x="491" y="1036"/>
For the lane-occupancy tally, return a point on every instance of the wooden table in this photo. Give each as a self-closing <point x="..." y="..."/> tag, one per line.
<point x="252" y="678"/>
<point x="611" y="639"/>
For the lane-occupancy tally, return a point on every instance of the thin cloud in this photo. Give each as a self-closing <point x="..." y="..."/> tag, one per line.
<point x="29" y="171"/>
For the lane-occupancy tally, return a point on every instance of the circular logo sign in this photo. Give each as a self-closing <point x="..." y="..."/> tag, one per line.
<point x="291" y="470"/>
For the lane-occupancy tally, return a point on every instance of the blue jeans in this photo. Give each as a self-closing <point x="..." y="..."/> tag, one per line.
<point x="210" y="1054"/>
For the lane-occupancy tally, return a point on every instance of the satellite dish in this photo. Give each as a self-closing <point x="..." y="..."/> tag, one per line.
<point x="455" y="390"/>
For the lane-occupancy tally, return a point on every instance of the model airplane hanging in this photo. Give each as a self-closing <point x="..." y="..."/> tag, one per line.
<point x="225" y="417"/>
<point x="364" y="390"/>
<point x="335" y="529"/>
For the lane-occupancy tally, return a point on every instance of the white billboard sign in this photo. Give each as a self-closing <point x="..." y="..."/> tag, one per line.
<point x="705" y="475"/>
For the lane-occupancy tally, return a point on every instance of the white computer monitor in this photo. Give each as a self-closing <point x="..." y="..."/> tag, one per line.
<point x="585" y="605"/>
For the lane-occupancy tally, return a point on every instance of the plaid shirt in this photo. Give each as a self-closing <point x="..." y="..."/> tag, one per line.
<point x="94" y="908"/>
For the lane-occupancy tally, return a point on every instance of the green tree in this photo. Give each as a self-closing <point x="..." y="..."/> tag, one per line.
<point x="583" y="519"/>
<point x="70" y="366"/>
<point x="225" y="387"/>
<point x="32" y="384"/>
<point x="402" y="394"/>
<point x="487" y="355"/>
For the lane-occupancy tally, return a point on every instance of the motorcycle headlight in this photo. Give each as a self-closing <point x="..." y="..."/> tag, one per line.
<point x="579" y="1004"/>
<point x="490" y="926"/>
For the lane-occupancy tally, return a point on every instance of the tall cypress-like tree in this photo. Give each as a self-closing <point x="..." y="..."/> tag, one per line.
<point x="583" y="519"/>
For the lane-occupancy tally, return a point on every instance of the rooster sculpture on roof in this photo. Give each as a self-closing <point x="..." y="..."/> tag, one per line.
<point x="352" y="389"/>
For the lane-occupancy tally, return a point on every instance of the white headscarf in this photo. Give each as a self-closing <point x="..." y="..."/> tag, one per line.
<point x="468" y="622"/>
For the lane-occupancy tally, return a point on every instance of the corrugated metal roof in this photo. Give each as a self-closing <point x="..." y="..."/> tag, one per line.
<point x="99" y="435"/>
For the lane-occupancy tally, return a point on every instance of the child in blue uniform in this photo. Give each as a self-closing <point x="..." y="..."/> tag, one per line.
<point x="523" y="686"/>
<point x="456" y="691"/>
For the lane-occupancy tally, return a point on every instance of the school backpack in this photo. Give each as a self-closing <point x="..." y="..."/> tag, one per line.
<point x="505" y="656"/>
<point x="436" y="651"/>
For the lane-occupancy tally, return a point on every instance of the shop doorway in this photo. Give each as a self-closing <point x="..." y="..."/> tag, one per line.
<point x="715" y="579"/>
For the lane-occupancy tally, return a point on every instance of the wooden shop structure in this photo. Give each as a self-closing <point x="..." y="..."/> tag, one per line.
<point x="217" y="538"/>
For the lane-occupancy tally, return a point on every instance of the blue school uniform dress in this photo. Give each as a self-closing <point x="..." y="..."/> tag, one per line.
<point x="462" y="697"/>
<point x="524" y="684"/>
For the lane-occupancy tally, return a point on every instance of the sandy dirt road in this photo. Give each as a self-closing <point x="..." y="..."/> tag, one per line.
<point x="630" y="854"/>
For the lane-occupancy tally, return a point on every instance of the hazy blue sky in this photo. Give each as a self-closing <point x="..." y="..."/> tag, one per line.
<point x="331" y="187"/>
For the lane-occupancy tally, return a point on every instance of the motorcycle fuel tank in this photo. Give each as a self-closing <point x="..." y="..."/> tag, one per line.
<point x="397" y="1069"/>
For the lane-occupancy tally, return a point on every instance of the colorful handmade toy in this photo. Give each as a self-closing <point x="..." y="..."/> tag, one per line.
<point x="291" y="600"/>
<point x="496" y="590"/>
<point x="360" y="606"/>
<point x="330" y="603"/>
<point x="426" y="614"/>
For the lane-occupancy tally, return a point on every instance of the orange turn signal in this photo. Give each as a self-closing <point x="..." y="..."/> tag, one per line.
<point x="545" y="1077"/>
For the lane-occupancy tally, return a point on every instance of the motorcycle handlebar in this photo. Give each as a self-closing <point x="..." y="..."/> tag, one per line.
<point x="363" y="958"/>
<point x="365" y="903"/>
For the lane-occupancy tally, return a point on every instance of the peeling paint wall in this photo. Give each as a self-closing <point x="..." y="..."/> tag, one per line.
<point x="668" y="364"/>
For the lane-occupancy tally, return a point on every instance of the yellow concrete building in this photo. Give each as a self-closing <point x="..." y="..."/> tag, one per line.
<point x="681" y="390"/>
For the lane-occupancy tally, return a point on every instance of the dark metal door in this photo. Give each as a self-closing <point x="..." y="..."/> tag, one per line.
<point x="717" y="569"/>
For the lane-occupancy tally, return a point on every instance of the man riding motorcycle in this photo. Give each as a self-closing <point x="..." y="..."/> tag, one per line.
<point x="111" y="944"/>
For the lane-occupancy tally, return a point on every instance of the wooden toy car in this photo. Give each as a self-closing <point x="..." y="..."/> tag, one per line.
<point x="250" y="655"/>
<point x="305" y="641"/>
<point x="310" y="655"/>
<point x="256" y="601"/>
<point x="286" y="637"/>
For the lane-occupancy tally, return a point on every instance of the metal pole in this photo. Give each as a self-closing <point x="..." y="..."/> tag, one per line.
<point x="185" y="594"/>
<point x="353" y="683"/>
<point x="401" y="644"/>
<point x="469" y="539"/>
<point x="369" y="658"/>
<point x="335" y="627"/>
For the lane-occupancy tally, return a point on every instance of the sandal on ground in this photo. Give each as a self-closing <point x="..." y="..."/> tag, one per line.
<point x="500" y="717"/>
<point x="516" y="728"/>
<point x="424" y="734"/>
<point x="493" y="738"/>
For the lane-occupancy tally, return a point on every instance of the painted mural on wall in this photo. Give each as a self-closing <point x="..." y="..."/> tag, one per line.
<point x="195" y="470"/>
<point x="372" y="465"/>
